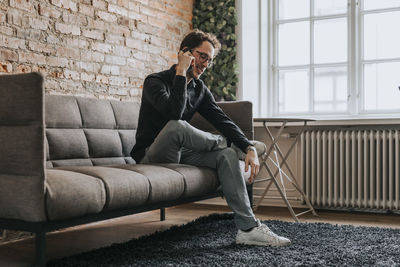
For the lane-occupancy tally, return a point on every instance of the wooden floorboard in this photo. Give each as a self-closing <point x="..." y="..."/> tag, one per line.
<point x="75" y="240"/>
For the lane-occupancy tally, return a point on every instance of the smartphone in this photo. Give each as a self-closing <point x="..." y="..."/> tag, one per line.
<point x="184" y="50"/>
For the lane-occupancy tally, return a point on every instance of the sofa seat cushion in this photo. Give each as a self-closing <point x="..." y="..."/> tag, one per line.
<point x="71" y="194"/>
<point x="165" y="184"/>
<point x="124" y="188"/>
<point x="198" y="180"/>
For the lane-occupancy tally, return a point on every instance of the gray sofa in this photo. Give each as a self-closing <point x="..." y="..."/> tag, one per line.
<point x="66" y="161"/>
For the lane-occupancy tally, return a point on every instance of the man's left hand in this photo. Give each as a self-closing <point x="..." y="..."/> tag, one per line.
<point x="252" y="161"/>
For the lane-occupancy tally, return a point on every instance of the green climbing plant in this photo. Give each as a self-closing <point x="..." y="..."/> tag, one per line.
<point x="219" y="17"/>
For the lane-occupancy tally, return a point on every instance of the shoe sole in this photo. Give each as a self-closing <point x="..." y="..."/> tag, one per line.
<point x="254" y="243"/>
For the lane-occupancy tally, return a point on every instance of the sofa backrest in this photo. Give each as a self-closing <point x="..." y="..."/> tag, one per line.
<point x="89" y="131"/>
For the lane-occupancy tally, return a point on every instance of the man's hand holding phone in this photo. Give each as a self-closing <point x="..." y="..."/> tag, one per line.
<point x="185" y="60"/>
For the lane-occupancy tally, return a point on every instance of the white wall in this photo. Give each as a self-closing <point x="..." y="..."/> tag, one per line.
<point x="252" y="51"/>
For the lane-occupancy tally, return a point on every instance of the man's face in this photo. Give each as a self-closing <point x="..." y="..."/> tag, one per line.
<point x="203" y="54"/>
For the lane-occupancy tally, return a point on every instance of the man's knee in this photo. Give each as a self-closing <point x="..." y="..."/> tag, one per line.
<point x="227" y="155"/>
<point x="176" y="125"/>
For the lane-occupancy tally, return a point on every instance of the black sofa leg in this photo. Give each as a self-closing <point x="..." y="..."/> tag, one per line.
<point x="40" y="240"/>
<point x="162" y="214"/>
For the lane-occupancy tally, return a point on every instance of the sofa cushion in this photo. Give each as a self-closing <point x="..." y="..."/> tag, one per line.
<point x="198" y="180"/>
<point x="165" y="184"/>
<point x="97" y="114"/>
<point x="62" y="112"/>
<point x="71" y="162"/>
<point x="67" y="144"/>
<point x="124" y="188"/>
<point x="126" y="114"/>
<point x="70" y="194"/>
<point x="108" y="161"/>
<point x="128" y="141"/>
<point x="103" y="143"/>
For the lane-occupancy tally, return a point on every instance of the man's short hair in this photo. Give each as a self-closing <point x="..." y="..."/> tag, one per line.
<point x="196" y="37"/>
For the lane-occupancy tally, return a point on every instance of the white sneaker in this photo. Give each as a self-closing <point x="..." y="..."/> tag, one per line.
<point x="261" y="236"/>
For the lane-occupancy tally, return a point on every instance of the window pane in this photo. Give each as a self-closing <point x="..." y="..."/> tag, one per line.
<point x="294" y="91"/>
<point x="379" y="4"/>
<point x="330" y="41"/>
<point x="290" y="9"/>
<point x="381" y="35"/>
<point x="381" y="86"/>
<point x="294" y="43"/>
<point x="329" y="7"/>
<point x="330" y="93"/>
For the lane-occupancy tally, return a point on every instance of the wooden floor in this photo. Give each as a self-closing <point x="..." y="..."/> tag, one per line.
<point x="85" y="238"/>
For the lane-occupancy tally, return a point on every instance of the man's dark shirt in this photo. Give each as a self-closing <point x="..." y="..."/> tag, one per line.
<point x="167" y="97"/>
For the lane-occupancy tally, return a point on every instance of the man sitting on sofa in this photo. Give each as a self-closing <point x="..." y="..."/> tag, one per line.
<point x="170" y="99"/>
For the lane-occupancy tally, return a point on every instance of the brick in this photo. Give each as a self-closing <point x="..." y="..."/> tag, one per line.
<point x="140" y="55"/>
<point x="134" y="6"/>
<point x="137" y="16"/>
<point x="97" y="24"/>
<point x="16" y="17"/>
<point x="6" y="30"/>
<point x="23" y="4"/>
<point x="117" y="29"/>
<point x="146" y="11"/>
<point x="115" y="60"/>
<point x="91" y="56"/>
<point x="93" y="34"/>
<point x="8" y="55"/>
<point x="39" y="24"/>
<point x="74" y="19"/>
<point x="133" y="43"/>
<point x="109" y="69"/>
<point x="134" y="63"/>
<point x="121" y="51"/>
<point x="124" y="3"/>
<point x="87" y="77"/>
<point x="2" y="17"/>
<point x="6" y="67"/>
<point x="48" y="11"/>
<point x="116" y="80"/>
<point x="102" y="79"/>
<point x="70" y="74"/>
<point x="39" y="47"/>
<point x="68" y="29"/>
<point x="107" y="16"/>
<point x="23" y="69"/>
<point x="99" y="4"/>
<point x="31" y="57"/>
<point x="86" y="10"/>
<point x="89" y="67"/>
<point x="118" y="10"/>
<point x="52" y="39"/>
<point x="157" y="22"/>
<point x="68" y="52"/>
<point x="101" y="47"/>
<point x="57" y="61"/>
<point x="117" y="91"/>
<point x="67" y="4"/>
<point x="114" y="39"/>
<point x="158" y="41"/>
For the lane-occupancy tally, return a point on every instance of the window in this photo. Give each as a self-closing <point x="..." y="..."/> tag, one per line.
<point x="335" y="57"/>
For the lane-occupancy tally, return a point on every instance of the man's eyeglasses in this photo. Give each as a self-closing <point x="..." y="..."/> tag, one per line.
<point x="204" y="57"/>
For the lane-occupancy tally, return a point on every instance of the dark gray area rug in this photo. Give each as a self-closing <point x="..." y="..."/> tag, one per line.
<point x="210" y="241"/>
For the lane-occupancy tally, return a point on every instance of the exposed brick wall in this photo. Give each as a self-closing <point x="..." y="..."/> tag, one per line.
<point x="103" y="48"/>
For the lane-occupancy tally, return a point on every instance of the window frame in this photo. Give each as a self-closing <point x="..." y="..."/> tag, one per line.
<point x="355" y="63"/>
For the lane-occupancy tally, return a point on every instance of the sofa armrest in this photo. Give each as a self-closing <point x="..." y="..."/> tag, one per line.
<point x="240" y="112"/>
<point x="22" y="157"/>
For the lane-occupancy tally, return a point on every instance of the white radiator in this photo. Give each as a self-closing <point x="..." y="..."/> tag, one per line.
<point x="352" y="168"/>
